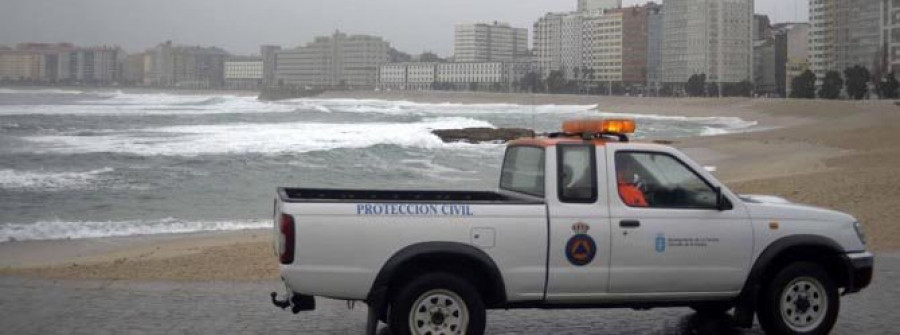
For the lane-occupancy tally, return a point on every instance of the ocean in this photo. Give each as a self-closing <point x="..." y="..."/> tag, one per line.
<point x="96" y="163"/>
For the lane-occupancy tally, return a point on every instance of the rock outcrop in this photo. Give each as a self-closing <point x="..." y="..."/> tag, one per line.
<point x="479" y="135"/>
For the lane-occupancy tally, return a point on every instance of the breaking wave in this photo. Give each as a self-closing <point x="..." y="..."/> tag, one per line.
<point x="13" y="179"/>
<point x="242" y="138"/>
<point x="56" y="230"/>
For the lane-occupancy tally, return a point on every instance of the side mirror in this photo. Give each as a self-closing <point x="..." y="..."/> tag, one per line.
<point x="722" y="203"/>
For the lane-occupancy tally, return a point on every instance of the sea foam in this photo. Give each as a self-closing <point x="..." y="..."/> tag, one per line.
<point x="55" y="230"/>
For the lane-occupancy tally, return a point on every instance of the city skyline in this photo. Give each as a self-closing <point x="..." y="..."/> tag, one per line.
<point x="241" y="26"/>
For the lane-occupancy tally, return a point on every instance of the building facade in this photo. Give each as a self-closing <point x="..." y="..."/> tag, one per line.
<point x="497" y="42"/>
<point x="764" y="67"/>
<point x="845" y="33"/>
<point x="603" y="45"/>
<point x="269" y="63"/>
<point x="592" y="5"/>
<point x="32" y="62"/>
<point x="340" y="60"/>
<point x="654" y="47"/>
<point x="177" y="66"/>
<point x="244" y="73"/>
<point x="558" y="44"/>
<point x="486" y="76"/>
<point x="711" y="37"/>
<point x="96" y="65"/>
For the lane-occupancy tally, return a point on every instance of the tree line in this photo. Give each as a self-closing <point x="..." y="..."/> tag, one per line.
<point x="856" y="81"/>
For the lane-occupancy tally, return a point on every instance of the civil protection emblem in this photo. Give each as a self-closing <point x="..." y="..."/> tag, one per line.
<point x="581" y="249"/>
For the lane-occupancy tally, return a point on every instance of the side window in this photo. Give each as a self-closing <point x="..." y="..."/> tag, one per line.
<point x="658" y="180"/>
<point x="577" y="178"/>
<point x="523" y="171"/>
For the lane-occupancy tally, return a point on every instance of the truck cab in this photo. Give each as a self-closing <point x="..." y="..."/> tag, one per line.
<point x="581" y="218"/>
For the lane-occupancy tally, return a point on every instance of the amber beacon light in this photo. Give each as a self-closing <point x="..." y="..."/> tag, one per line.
<point x="611" y="126"/>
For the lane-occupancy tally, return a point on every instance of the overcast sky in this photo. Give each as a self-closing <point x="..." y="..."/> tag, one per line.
<point x="240" y="26"/>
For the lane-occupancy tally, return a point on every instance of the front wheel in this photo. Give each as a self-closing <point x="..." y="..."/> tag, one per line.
<point x="437" y="304"/>
<point x="800" y="299"/>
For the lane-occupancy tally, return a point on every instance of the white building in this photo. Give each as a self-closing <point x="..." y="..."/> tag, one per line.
<point x="497" y="42"/>
<point x="339" y="60"/>
<point x="845" y="33"/>
<point x="711" y="37"/>
<point x="557" y="43"/>
<point x="591" y="5"/>
<point x="602" y="49"/>
<point x="891" y="35"/>
<point x="483" y="76"/>
<point x="244" y="73"/>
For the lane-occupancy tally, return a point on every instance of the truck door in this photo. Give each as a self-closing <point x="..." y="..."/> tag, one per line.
<point x="668" y="234"/>
<point x="579" y="236"/>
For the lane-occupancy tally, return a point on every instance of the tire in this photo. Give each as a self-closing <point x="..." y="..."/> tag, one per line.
<point x="801" y="299"/>
<point x="712" y="308"/>
<point x="457" y="307"/>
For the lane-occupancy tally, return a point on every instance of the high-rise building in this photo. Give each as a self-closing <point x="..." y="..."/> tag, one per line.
<point x="557" y="43"/>
<point x="762" y="27"/>
<point x="591" y="5"/>
<point x="844" y="33"/>
<point x="635" y="31"/>
<point x="170" y="65"/>
<point x="890" y="45"/>
<point x="268" y="59"/>
<point x="654" y="46"/>
<point x="603" y="45"/>
<point x="764" y="66"/>
<point x="497" y="42"/>
<point x="791" y="54"/>
<point x="32" y="61"/>
<point x="711" y="37"/>
<point x="95" y="65"/>
<point x="339" y="60"/>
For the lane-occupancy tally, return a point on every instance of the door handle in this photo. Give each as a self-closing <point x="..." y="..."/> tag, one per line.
<point x="629" y="223"/>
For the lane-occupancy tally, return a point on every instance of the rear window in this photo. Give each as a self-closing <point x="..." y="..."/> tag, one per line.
<point x="523" y="170"/>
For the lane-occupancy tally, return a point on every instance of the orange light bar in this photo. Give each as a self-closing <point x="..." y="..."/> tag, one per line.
<point x="615" y="126"/>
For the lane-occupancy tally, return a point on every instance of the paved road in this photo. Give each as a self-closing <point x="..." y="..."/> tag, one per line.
<point x="29" y="306"/>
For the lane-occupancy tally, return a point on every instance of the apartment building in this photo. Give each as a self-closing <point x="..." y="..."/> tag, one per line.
<point x="711" y="37"/>
<point x="654" y="46"/>
<point x="497" y="42"/>
<point x="339" y="60"/>
<point x="603" y="45"/>
<point x="244" y="73"/>
<point x="269" y="63"/>
<point x="846" y="33"/>
<point x="178" y="66"/>
<point x="557" y="43"/>
<point x="592" y="5"/>
<point x="92" y="65"/>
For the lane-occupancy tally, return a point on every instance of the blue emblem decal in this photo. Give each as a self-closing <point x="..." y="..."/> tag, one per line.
<point x="661" y="243"/>
<point x="581" y="248"/>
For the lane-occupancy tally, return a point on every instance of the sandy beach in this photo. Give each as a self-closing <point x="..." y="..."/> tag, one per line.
<point x="840" y="155"/>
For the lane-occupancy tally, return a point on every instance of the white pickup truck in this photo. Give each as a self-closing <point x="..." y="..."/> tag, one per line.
<point x="582" y="219"/>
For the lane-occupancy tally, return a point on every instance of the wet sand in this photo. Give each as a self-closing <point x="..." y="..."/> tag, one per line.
<point x="840" y="155"/>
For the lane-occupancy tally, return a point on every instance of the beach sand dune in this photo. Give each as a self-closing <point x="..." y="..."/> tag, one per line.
<point x="840" y="155"/>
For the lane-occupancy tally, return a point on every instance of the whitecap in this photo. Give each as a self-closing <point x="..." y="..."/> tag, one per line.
<point x="57" y="229"/>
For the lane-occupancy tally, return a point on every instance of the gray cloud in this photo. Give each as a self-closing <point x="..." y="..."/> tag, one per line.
<point x="240" y="26"/>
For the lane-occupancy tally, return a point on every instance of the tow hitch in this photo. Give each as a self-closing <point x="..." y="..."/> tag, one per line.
<point x="297" y="302"/>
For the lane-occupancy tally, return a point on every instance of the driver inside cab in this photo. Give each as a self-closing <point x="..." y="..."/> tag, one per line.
<point x="629" y="189"/>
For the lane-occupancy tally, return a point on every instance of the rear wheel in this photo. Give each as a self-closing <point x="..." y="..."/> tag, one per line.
<point x="800" y="299"/>
<point x="436" y="304"/>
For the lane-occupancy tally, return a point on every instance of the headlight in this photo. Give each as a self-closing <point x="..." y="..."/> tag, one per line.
<point x="859" y="232"/>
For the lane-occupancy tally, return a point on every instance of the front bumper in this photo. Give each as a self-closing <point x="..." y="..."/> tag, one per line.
<point x="860" y="266"/>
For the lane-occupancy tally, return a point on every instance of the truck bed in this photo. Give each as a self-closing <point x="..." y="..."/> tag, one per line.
<point x="295" y="195"/>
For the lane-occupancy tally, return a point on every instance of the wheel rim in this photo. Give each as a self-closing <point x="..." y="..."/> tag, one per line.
<point x="438" y="312"/>
<point x="803" y="304"/>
